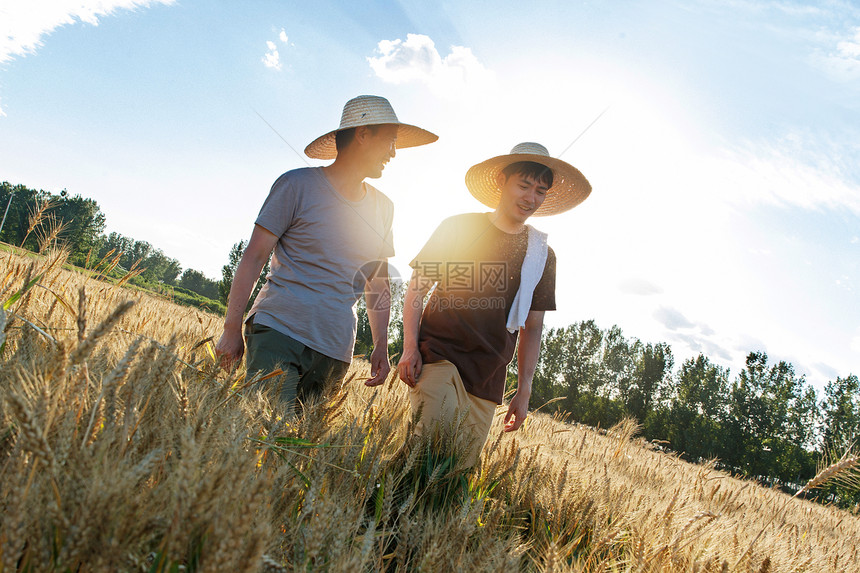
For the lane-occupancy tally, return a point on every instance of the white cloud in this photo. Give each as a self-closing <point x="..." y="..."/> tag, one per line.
<point x="639" y="286"/>
<point x="418" y="60"/>
<point x="759" y="6"/>
<point x="855" y="344"/>
<point x="845" y="282"/>
<point x="748" y="344"/>
<point x="672" y="318"/>
<point x="801" y="10"/>
<point x="24" y="25"/>
<point x="842" y="59"/>
<point x="703" y="344"/>
<point x="796" y="171"/>
<point x="826" y="371"/>
<point x="850" y="49"/>
<point x="272" y="59"/>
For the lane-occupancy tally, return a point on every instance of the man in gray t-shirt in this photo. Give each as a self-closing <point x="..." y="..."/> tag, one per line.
<point x="331" y="235"/>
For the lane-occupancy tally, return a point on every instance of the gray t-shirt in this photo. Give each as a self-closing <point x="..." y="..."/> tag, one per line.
<point x="325" y="241"/>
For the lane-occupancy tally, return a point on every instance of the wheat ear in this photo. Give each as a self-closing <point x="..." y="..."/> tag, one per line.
<point x="86" y="346"/>
<point x="832" y="472"/>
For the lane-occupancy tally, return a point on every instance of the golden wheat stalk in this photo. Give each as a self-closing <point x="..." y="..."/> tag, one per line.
<point x="114" y="379"/>
<point x="86" y="346"/>
<point x="847" y="464"/>
<point x="36" y="215"/>
<point x="48" y="232"/>
<point x="81" y="317"/>
<point x="33" y="436"/>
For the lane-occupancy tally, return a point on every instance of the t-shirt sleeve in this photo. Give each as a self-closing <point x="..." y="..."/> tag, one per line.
<point x="430" y="261"/>
<point x="544" y="295"/>
<point x="279" y="208"/>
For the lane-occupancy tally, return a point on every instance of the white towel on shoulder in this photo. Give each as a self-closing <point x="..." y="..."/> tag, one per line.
<point x="533" y="266"/>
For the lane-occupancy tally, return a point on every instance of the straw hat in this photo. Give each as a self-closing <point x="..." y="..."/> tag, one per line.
<point x="368" y="110"/>
<point x="569" y="186"/>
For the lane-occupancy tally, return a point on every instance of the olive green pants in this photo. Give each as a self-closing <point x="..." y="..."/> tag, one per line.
<point x="307" y="373"/>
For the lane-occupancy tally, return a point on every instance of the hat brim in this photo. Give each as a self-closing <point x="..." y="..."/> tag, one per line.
<point x="569" y="185"/>
<point x="323" y="147"/>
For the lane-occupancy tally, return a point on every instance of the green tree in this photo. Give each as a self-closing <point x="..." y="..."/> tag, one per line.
<point x="114" y="244"/>
<point x="83" y="224"/>
<point x="21" y="202"/>
<point x="652" y="369"/>
<point x="395" y="323"/>
<point x="228" y="271"/>
<point x="154" y="265"/>
<point x="138" y="253"/>
<point x="600" y="374"/>
<point x="195" y="281"/>
<point x="363" y="334"/>
<point x="548" y="382"/>
<point x="160" y="268"/>
<point x="700" y="404"/>
<point x="170" y="271"/>
<point x="582" y="365"/>
<point x="770" y="427"/>
<point x="840" y="410"/>
<point x="617" y="365"/>
<point x="81" y="220"/>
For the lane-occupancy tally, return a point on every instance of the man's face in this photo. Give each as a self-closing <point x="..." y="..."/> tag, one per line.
<point x="380" y="148"/>
<point x="522" y="195"/>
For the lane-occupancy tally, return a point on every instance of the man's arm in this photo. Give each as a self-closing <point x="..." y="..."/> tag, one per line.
<point x="377" y="295"/>
<point x="528" y="350"/>
<point x="231" y="346"/>
<point x="410" y="364"/>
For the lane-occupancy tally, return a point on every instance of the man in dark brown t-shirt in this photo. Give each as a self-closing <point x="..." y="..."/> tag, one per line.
<point x="494" y="277"/>
<point x="476" y="267"/>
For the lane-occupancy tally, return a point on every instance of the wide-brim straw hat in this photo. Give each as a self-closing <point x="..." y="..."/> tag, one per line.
<point x="368" y="110"/>
<point x="569" y="186"/>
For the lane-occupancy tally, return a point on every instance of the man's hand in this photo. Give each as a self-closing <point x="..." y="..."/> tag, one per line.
<point x="517" y="412"/>
<point x="409" y="366"/>
<point x="379" y="366"/>
<point x="230" y="349"/>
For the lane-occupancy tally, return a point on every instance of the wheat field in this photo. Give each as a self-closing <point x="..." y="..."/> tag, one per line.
<point x="123" y="448"/>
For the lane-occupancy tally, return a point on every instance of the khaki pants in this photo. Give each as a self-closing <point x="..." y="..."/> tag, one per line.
<point x="440" y="394"/>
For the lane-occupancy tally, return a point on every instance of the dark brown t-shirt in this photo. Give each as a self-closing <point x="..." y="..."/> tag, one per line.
<point x="477" y="269"/>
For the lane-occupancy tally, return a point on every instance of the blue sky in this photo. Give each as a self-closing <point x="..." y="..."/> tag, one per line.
<point x="725" y="216"/>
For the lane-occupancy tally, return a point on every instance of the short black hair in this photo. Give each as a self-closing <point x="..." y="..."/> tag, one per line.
<point x="537" y="171"/>
<point x="344" y="137"/>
